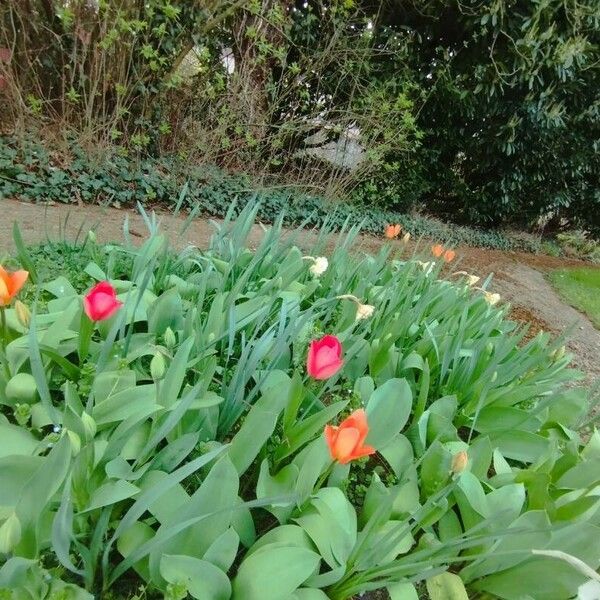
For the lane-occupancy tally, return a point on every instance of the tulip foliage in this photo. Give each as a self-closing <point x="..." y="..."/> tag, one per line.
<point x="226" y="424"/>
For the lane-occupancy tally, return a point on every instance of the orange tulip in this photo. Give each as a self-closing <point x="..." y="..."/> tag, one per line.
<point x="437" y="250"/>
<point x="392" y="231"/>
<point x="449" y="255"/>
<point x="347" y="441"/>
<point x="10" y="284"/>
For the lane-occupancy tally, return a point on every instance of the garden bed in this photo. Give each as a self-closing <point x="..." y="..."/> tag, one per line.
<point x="263" y="424"/>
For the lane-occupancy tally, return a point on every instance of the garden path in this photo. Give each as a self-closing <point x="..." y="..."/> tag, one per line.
<point x="518" y="276"/>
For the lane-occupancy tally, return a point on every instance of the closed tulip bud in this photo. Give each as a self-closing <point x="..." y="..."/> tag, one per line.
<point x="91" y="236"/>
<point x="157" y="367"/>
<point x="10" y="534"/>
<point x="459" y="462"/>
<point x="22" y="414"/>
<point x="89" y="426"/>
<point x="494" y="376"/>
<point x="75" y="442"/>
<point x="405" y="238"/>
<point x="560" y="353"/>
<point x="169" y="338"/>
<point x="23" y="313"/>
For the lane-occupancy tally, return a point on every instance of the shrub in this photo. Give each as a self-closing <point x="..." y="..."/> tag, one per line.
<point x="179" y="444"/>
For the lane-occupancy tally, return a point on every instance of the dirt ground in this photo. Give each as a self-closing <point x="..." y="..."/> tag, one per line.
<point x="517" y="276"/>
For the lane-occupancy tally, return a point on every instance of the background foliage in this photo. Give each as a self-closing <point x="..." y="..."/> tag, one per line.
<point x="483" y="112"/>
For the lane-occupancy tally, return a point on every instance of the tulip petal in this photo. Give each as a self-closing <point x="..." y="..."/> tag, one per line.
<point x="4" y="294"/>
<point x="345" y="444"/>
<point x="17" y="281"/>
<point x="358" y="420"/>
<point x="328" y="370"/>
<point x="362" y="451"/>
<point x="330" y="437"/>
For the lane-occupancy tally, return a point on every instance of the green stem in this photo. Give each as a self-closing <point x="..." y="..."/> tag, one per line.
<point x="3" y="342"/>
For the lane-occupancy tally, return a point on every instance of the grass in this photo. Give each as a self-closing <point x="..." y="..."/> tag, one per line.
<point x="580" y="287"/>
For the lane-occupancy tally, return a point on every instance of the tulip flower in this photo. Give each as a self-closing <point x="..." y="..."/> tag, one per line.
<point x="437" y="250"/>
<point x="471" y="279"/>
<point x="319" y="266"/>
<point x="492" y="299"/>
<point x="459" y="462"/>
<point x="101" y="303"/>
<point x="347" y="441"/>
<point x="392" y="231"/>
<point x="440" y="252"/>
<point x="364" y="311"/>
<point x="10" y="284"/>
<point x="324" y="357"/>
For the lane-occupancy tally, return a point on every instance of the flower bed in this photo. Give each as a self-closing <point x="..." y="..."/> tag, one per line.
<point x="266" y="425"/>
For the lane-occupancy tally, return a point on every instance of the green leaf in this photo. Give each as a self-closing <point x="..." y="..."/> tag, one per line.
<point x="16" y="440"/>
<point x="223" y="550"/>
<point x="258" y="425"/>
<point x="282" y="483"/>
<point x="402" y="591"/>
<point x="166" y="311"/>
<point x="175" y="375"/>
<point x="446" y="586"/>
<point x="202" y="579"/>
<point x="306" y="429"/>
<point x="125" y="404"/>
<point x="110" y="493"/>
<point x="274" y="572"/>
<point x="388" y="411"/>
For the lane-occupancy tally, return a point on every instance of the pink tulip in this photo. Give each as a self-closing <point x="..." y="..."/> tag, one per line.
<point x="324" y="357"/>
<point x="101" y="303"/>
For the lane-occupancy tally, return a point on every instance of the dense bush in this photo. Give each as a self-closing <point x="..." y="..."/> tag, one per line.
<point x="177" y="441"/>
<point x="30" y="171"/>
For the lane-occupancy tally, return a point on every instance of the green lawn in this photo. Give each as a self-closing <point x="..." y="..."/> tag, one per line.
<point x="581" y="288"/>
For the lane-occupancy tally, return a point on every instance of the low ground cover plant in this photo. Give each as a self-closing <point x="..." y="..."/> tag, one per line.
<point x="30" y="172"/>
<point x="268" y="425"/>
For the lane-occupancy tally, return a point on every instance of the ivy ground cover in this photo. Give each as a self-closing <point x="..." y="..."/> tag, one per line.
<point x="266" y="425"/>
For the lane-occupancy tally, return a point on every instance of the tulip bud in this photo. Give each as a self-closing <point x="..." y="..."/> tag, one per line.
<point x="10" y="534"/>
<point x="75" y="442"/>
<point x="494" y="376"/>
<point x="23" y="313"/>
<point x="169" y="338"/>
<point x="459" y="462"/>
<point x="157" y="367"/>
<point x="405" y="238"/>
<point x="560" y="353"/>
<point x="22" y="414"/>
<point x="91" y="236"/>
<point x="89" y="426"/>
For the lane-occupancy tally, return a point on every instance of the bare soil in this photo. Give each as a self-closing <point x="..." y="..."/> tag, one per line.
<point x="517" y="276"/>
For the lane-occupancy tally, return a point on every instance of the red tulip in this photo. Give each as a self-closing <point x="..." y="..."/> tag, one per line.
<point x="324" y="357"/>
<point x="101" y="303"/>
<point x="347" y="442"/>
